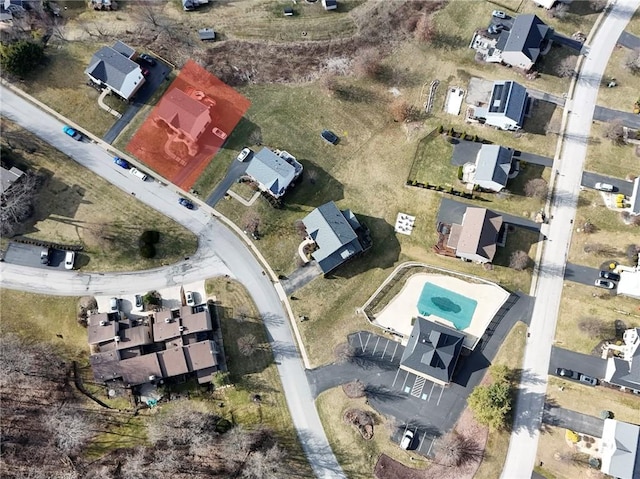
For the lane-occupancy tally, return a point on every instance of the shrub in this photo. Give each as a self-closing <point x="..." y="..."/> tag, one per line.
<point x="153" y="297"/>
<point x="220" y="379"/>
<point x="424" y="30"/>
<point x="368" y="63"/>
<point x="21" y="57"/>
<point x="147" y="250"/>
<point x="519" y="260"/>
<point x="402" y="111"/>
<point x="150" y="237"/>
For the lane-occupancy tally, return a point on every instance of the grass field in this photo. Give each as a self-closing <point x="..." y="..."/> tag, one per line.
<point x="607" y="158"/>
<point x="78" y="207"/>
<point x="623" y="96"/>
<point x="551" y="445"/>
<point x="254" y="374"/>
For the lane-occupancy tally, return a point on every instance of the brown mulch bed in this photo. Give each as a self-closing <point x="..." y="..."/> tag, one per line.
<point x="354" y="389"/>
<point x="361" y="420"/>
<point x="387" y="468"/>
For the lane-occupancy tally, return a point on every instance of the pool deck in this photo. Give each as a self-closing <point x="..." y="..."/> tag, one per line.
<point x="397" y="315"/>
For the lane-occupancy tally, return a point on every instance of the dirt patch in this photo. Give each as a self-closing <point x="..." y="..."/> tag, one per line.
<point x="361" y="420"/>
<point x="354" y="389"/>
<point x="387" y="468"/>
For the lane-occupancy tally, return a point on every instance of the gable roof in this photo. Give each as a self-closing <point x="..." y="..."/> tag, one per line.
<point x="493" y="164"/>
<point x="635" y="197"/>
<point x="8" y="177"/>
<point x="136" y="336"/>
<point x="626" y="372"/>
<point x="105" y="365"/>
<point x="333" y="232"/>
<point x="200" y="355"/>
<point x="165" y="326"/>
<point x="271" y="171"/>
<point x="527" y="35"/>
<point x="123" y="49"/>
<point x="115" y="70"/>
<point x="509" y="99"/>
<point x="480" y="228"/>
<point x="433" y="349"/>
<point x="620" y="446"/>
<point x="184" y="113"/>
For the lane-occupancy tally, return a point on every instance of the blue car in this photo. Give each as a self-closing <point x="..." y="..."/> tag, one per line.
<point x="72" y="132"/>
<point x="329" y="137"/>
<point x="121" y="162"/>
<point x="186" y="203"/>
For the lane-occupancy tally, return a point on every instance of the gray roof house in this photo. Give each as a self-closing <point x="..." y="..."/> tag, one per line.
<point x="620" y="447"/>
<point x="635" y="197"/>
<point x="432" y="351"/>
<point x="507" y="106"/>
<point x="528" y="39"/>
<point x="335" y="233"/>
<point x="274" y="174"/>
<point x="9" y="177"/>
<point x="493" y="165"/>
<point x="625" y="372"/>
<point x="476" y="238"/>
<point x="112" y="67"/>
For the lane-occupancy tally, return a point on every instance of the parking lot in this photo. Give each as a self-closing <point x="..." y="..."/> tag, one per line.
<point x="29" y="255"/>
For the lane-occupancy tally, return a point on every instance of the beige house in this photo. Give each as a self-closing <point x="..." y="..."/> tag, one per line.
<point x="477" y="237"/>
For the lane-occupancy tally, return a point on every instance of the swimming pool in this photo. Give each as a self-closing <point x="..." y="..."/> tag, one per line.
<point x="446" y="304"/>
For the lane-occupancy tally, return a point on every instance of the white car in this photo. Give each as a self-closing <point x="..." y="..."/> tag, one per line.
<point x="138" y="174"/>
<point x="190" y="300"/>
<point x="113" y="305"/>
<point x="498" y="14"/>
<point x="244" y="154"/>
<point x="69" y="259"/>
<point x="219" y="133"/>
<point x="603" y="283"/>
<point x="407" y="439"/>
<point x="603" y="187"/>
<point x="139" y="303"/>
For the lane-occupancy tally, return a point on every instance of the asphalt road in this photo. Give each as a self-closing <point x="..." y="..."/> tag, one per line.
<point x="219" y="252"/>
<point x="621" y="186"/>
<point x="529" y="406"/>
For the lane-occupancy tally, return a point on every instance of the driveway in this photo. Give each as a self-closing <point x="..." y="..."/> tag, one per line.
<point x="467" y="151"/>
<point x="301" y="277"/>
<point x="581" y="274"/>
<point x="621" y="186"/>
<point x="29" y="255"/>
<point x="452" y="211"/>
<point x="567" y="419"/>
<point x="629" y="41"/>
<point x="583" y="363"/>
<point x="236" y="170"/>
<point x="567" y="42"/>
<point x="534" y="159"/>
<point x="606" y="115"/>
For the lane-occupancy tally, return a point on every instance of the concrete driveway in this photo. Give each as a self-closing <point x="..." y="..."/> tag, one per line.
<point x="301" y="276"/>
<point x="621" y="186"/>
<point x="452" y="211"/>
<point x="583" y="363"/>
<point x="567" y="419"/>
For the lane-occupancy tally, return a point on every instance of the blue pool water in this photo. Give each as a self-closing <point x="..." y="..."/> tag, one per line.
<point x="446" y="304"/>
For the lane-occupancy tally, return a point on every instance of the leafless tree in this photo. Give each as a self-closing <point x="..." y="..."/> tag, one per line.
<point x="251" y="222"/>
<point x="614" y="131"/>
<point x="354" y="389"/>
<point x="255" y="138"/>
<point x="242" y="312"/>
<point x="519" y="260"/>
<point x="186" y="424"/>
<point x="536" y="188"/>
<point x="300" y="228"/>
<point x="560" y="10"/>
<point x="265" y="464"/>
<point x="425" y="30"/>
<point x="135" y="465"/>
<point x="329" y="82"/>
<point x="594" y="328"/>
<point x="632" y="253"/>
<point x="344" y="352"/>
<point x="402" y="111"/>
<point x="455" y="450"/>
<point x="598" y="5"/>
<point x="312" y="175"/>
<point x="588" y="227"/>
<point x="16" y="204"/>
<point x="69" y="428"/>
<point x="368" y="63"/>
<point x="567" y="66"/>
<point x="632" y="61"/>
<point x="247" y="344"/>
<point x="600" y="249"/>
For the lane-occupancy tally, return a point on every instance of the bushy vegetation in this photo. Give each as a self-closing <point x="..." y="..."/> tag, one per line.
<point x="491" y="404"/>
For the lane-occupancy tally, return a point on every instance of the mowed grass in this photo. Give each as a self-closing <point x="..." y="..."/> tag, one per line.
<point x="607" y="158"/>
<point x="61" y="85"/>
<point x="254" y="374"/>
<point x="625" y="94"/>
<point x="580" y="301"/>
<point x="510" y="354"/>
<point x="551" y="444"/>
<point x="76" y="207"/>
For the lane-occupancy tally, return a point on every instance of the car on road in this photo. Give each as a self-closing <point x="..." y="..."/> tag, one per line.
<point x="603" y="283"/>
<point x="610" y="275"/>
<point x="244" y="154"/>
<point x="219" y="133"/>
<point x="138" y="174"/>
<point x="588" y="380"/>
<point x="498" y="14"/>
<point x="69" y="259"/>
<point x="567" y="373"/>
<point x="121" y="162"/>
<point x="148" y="59"/>
<point x="407" y="439"/>
<point x="44" y="256"/>
<point x="72" y="132"/>
<point x="186" y="203"/>
<point x="190" y="300"/>
<point x="139" y="303"/>
<point x="113" y="305"/>
<point x="604" y="187"/>
<point x="329" y="137"/>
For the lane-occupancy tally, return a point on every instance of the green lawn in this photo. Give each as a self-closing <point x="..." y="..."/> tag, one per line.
<point x="605" y="157"/>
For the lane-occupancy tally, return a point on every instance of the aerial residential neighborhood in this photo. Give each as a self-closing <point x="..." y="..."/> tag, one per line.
<point x="332" y="239"/>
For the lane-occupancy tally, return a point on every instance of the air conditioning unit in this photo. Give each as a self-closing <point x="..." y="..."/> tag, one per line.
<point x="167" y="320"/>
<point x="181" y="328"/>
<point x="152" y="377"/>
<point x="103" y="323"/>
<point x="116" y="339"/>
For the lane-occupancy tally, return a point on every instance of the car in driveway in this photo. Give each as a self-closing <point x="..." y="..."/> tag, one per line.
<point x="121" y="162"/>
<point x="186" y="203"/>
<point x="44" y="256"/>
<point x="495" y="29"/>
<point x="114" y="305"/>
<point x="190" y="299"/>
<point x="139" y="303"/>
<point x="604" y="187"/>
<point x="498" y="14"/>
<point x="329" y="137"/>
<point x="69" y="259"/>
<point x="567" y="373"/>
<point x="603" y="283"/>
<point x="244" y="154"/>
<point x="148" y="59"/>
<point x="588" y="380"/>
<point x="219" y="133"/>
<point x="72" y="132"/>
<point x="407" y="439"/>
<point x="610" y="275"/>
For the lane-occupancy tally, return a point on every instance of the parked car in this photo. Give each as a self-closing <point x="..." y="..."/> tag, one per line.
<point x="121" y="162"/>
<point x="610" y="275"/>
<point x="567" y="373"/>
<point x="588" y="380"/>
<point x="69" y="259"/>
<point x="494" y="29"/>
<point x="329" y="137"/>
<point x="139" y="304"/>
<point x="113" y="305"/>
<point x="44" y="256"/>
<point x="137" y="173"/>
<point x="244" y="154"/>
<point x="498" y="14"/>
<point x="186" y="203"/>
<point x="603" y="283"/>
<point x="407" y="439"/>
<point x="604" y="187"/>
<point x="148" y="59"/>
<point x="219" y="133"/>
<point x="190" y="300"/>
<point x="72" y="132"/>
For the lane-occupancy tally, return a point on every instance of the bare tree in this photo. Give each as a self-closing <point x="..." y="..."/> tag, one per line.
<point x="186" y="424"/>
<point x="354" y="389"/>
<point x="134" y="465"/>
<point x="329" y="82"/>
<point x="614" y="131"/>
<point x="424" y="30"/>
<point x="598" y="5"/>
<point x="247" y="344"/>
<point x="402" y="111"/>
<point x="600" y="249"/>
<point x="69" y="428"/>
<point x="16" y="203"/>
<point x="632" y="61"/>
<point x="242" y="312"/>
<point x="594" y="328"/>
<point x="567" y="66"/>
<point x="265" y="464"/>
<point x="344" y="352"/>
<point x="368" y="63"/>
<point x="588" y="227"/>
<point x="519" y="260"/>
<point x="255" y="138"/>
<point x="455" y="450"/>
<point x="251" y="222"/>
<point x="536" y="188"/>
<point x="560" y="10"/>
<point x="632" y="253"/>
<point x="300" y="228"/>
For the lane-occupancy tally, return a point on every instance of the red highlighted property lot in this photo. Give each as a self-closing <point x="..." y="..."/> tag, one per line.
<point x="188" y="126"/>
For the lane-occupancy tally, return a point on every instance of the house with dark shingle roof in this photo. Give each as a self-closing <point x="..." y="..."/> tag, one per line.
<point x="507" y="106"/>
<point x="528" y="39"/>
<point x="273" y="173"/>
<point x="621" y="449"/>
<point x="625" y="372"/>
<point x="113" y="68"/>
<point x="493" y="165"/>
<point x="432" y="351"/>
<point x="635" y="197"/>
<point x="477" y="237"/>
<point x="335" y="233"/>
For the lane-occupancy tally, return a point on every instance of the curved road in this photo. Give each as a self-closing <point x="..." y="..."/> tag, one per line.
<point x="219" y="252"/>
<point x="530" y="402"/>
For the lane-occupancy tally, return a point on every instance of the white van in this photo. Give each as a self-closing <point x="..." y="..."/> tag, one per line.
<point x="604" y="187"/>
<point x="138" y="173"/>
<point x="69" y="259"/>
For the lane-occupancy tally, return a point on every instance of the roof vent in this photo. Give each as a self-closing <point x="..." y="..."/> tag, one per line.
<point x="103" y="323"/>
<point x="181" y="328"/>
<point x="167" y="320"/>
<point x="116" y="339"/>
<point x="152" y="377"/>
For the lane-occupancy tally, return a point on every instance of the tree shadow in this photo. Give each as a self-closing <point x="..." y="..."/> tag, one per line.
<point x="320" y="455"/>
<point x="383" y="394"/>
<point x="368" y="362"/>
<point x="356" y="94"/>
